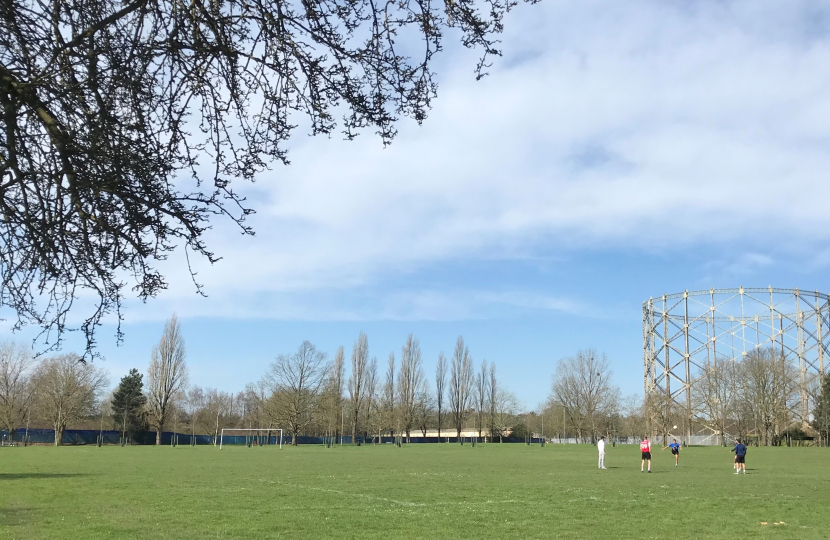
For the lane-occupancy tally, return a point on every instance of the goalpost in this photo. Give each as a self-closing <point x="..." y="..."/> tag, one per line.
<point x="267" y="434"/>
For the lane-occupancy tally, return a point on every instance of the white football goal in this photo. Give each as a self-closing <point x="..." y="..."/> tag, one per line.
<point x="253" y="436"/>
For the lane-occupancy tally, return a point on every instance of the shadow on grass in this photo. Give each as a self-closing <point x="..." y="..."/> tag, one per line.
<point x="36" y="475"/>
<point x="11" y="517"/>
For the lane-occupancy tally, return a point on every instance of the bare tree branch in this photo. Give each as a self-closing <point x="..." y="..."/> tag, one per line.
<point x="124" y="125"/>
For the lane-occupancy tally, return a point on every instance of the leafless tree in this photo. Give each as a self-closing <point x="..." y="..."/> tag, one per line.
<point x="440" y="382"/>
<point x="372" y="414"/>
<point x="821" y="412"/>
<point x="194" y="403"/>
<point x="166" y="376"/>
<point x="388" y="405"/>
<point x="582" y="384"/>
<point x="634" y="420"/>
<point x="492" y="395"/>
<point x="715" y="393"/>
<point x="482" y="386"/>
<point x="331" y="399"/>
<point x="461" y="383"/>
<point x="254" y="399"/>
<point x="424" y="409"/>
<point x="506" y="406"/>
<point x="767" y="389"/>
<point x="357" y="382"/>
<point x="551" y="415"/>
<point x="107" y="105"/>
<point x="296" y="382"/>
<point x="411" y="383"/>
<point x="335" y="392"/>
<point x="216" y="412"/>
<point x="662" y="412"/>
<point x="67" y="390"/>
<point x="16" y="386"/>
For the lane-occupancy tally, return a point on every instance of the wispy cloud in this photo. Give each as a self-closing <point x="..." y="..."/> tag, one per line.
<point x="634" y="124"/>
<point x="740" y="265"/>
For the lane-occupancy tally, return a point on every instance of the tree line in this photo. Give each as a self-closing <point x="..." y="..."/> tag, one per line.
<point x="304" y="393"/>
<point x="764" y="394"/>
<point x="307" y="393"/>
<point x="760" y="396"/>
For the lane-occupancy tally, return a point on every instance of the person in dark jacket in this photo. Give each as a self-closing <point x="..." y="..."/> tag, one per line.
<point x="740" y="457"/>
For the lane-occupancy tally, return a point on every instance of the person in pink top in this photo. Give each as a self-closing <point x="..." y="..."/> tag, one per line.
<point x="645" y="449"/>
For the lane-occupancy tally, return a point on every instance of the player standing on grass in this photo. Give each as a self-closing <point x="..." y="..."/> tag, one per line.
<point x="740" y="457"/>
<point x="675" y="450"/>
<point x="601" y="450"/>
<point x="645" y="450"/>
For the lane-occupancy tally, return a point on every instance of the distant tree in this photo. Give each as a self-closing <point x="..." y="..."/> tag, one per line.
<point x="167" y="375"/>
<point x="373" y="413"/>
<point x="461" y="384"/>
<point x="67" y="390"/>
<point x="519" y="431"/>
<point x="411" y="383"/>
<point x="492" y="399"/>
<point x="17" y="389"/>
<point x="633" y="417"/>
<point x="582" y="384"/>
<point x="388" y="404"/>
<point x="482" y="385"/>
<point x="440" y="383"/>
<point x="716" y="392"/>
<point x="767" y="389"/>
<point x="357" y="381"/>
<point x="424" y="409"/>
<point x="128" y="404"/>
<point x="821" y="414"/>
<point x="218" y="411"/>
<point x="334" y="393"/>
<point x="193" y="400"/>
<point x="506" y="406"/>
<point x="296" y="382"/>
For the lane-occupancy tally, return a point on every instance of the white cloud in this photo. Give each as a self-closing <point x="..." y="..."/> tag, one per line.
<point x="634" y="124"/>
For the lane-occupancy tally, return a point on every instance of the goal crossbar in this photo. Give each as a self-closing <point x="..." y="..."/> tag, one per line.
<point x="268" y="430"/>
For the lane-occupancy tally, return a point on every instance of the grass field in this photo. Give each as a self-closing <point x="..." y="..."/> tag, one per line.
<point x="422" y="491"/>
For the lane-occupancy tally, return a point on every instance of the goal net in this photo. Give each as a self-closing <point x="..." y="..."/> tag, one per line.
<point x="250" y="437"/>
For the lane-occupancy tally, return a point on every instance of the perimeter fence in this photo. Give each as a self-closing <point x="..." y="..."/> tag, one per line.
<point x="91" y="436"/>
<point x="110" y="437"/>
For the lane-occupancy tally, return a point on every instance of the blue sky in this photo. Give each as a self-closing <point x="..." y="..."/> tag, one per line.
<point x="617" y="151"/>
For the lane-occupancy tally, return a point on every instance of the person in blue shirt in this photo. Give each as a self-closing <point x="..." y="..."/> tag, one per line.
<point x="740" y="457"/>
<point x="675" y="450"/>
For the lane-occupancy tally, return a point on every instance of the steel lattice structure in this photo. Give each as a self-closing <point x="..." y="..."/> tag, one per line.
<point x="684" y="331"/>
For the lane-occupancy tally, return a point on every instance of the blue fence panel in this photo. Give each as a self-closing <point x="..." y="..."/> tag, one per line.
<point x="90" y="436"/>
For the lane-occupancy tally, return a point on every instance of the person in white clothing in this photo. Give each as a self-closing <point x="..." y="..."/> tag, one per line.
<point x="601" y="449"/>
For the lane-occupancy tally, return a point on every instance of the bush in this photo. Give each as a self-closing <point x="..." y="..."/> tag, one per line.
<point x="519" y="432"/>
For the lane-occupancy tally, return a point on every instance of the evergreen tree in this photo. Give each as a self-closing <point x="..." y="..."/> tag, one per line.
<point x="821" y="414"/>
<point x="128" y="402"/>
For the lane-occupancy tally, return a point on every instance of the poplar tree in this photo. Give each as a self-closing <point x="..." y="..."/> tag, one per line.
<point x="821" y="414"/>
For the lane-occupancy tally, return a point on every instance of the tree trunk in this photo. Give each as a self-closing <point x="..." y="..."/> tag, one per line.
<point x="158" y="435"/>
<point x="59" y="435"/>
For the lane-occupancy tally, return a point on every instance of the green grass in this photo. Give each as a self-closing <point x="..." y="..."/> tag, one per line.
<point x="421" y="491"/>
